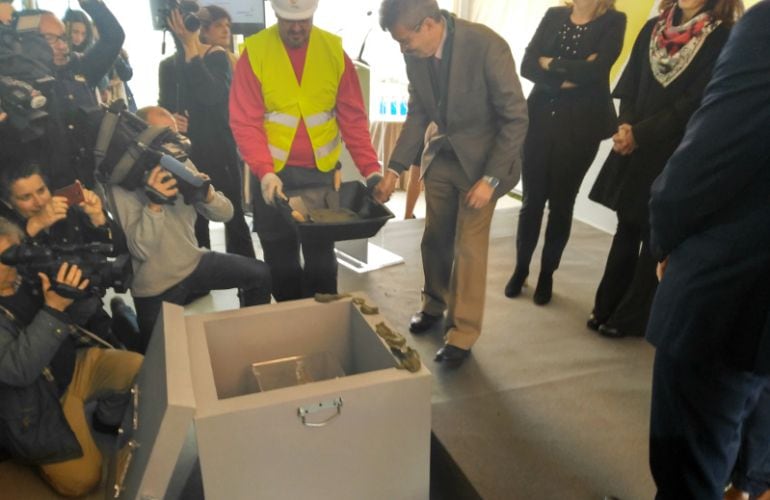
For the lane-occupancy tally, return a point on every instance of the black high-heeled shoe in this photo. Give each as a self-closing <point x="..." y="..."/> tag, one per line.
<point x="593" y="323"/>
<point x="513" y="288"/>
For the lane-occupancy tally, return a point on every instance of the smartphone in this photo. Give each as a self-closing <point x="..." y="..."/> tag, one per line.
<point x="73" y="193"/>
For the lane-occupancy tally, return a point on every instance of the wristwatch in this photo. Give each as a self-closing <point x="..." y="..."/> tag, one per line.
<point x="492" y="181"/>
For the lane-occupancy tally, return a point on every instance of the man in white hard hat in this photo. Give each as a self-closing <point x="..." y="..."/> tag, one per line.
<point x="294" y="99"/>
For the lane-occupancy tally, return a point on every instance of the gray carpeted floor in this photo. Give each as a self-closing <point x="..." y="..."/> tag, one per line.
<point x="544" y="408"/>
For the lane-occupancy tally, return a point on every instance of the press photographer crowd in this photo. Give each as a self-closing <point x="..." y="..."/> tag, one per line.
<point x="99" y="193"/>
<point x="97" y="197"/>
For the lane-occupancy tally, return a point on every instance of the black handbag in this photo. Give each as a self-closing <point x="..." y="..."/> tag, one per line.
<point x="608" y="185"/>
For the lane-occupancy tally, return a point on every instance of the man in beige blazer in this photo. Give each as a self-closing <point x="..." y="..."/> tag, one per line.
<point x="463" y="84"/>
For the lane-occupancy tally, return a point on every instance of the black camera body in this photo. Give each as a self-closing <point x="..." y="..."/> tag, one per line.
<point x="25" y="107"/>
<point x="25" y="76"/>
<point x="127" y="149"/>
<point x="93" y="259"/>
<point x="188" y="8"/>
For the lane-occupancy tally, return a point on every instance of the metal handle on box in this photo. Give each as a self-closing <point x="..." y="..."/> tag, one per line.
<point x="135" y="416"/>
<point x="303" y="413"/>
<point x="122" y="472"/>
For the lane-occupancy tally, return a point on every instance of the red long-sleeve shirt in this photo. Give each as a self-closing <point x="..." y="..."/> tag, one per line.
<point x="247" y="113"/>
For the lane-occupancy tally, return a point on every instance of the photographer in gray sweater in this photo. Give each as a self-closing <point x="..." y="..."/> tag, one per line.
<point x="168" y="264"/>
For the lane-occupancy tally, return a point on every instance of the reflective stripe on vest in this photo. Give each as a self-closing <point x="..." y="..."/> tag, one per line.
<point x="278" y="153"/>
<point x="319" y="119"/>
<point x="328" y="149"/>
<point x="283" y="119"/>
<point x="287" y="101"/>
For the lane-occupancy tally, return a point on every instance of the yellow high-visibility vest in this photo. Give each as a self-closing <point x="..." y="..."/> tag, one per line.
<point x="287" y="101"/>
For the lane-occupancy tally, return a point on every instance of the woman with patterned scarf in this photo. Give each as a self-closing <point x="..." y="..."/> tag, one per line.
<point x="661" y="87"/>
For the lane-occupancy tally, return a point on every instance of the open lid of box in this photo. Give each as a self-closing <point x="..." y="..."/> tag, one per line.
<point x="192" y="381"/>
<point x="151" y="461"/>
<point x="370" y="217"/>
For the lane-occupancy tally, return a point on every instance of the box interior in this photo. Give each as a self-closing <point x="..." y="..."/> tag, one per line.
<point x="236" y="343"/>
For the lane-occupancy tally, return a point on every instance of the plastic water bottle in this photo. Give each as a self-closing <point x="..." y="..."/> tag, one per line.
<point x="383" y="107"/>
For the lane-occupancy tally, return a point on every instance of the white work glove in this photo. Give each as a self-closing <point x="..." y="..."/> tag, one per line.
<point x="271" y="185"/>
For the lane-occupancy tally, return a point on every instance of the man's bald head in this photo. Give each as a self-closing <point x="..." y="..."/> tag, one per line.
<point x="6" y="12"/>
<point x="157" y="116"/>
<point x="54" y="33"/>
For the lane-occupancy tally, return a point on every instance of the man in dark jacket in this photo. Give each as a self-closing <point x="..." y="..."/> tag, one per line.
<point x="70" y="149"/>
<point x="710" y="319"/>
<point x="45" y="379"/>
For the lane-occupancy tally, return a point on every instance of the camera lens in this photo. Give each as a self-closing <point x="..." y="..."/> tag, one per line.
<point x="191" y="22"/>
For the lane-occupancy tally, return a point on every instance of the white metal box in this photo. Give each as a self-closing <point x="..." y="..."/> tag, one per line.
<point x="364" y="435"/>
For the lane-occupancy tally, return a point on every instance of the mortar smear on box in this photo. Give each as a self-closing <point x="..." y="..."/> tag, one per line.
<point x="408" y="358"/>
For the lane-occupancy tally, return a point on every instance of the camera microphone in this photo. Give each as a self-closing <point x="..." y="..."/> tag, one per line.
<point x="180" y="171"/>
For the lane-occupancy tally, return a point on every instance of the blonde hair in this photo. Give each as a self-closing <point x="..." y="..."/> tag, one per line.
<point x="602" y="7"/>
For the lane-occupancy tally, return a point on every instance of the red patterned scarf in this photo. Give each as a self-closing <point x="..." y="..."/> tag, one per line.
<point x="672" y="47"/>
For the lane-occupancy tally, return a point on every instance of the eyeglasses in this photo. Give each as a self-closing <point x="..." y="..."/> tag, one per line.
<point x="416" y="29"/>
<point x="418" y="26"/>
<point x="52" y="39"/>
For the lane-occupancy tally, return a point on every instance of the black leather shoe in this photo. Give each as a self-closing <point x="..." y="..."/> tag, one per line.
<point x="513" y="288"/>
<point x="606" y="330"/>
<point x="451" y="355"/>
<point x="593" y="323"/>
<point x="422" y="321"/>
<point x="544" y="289"/>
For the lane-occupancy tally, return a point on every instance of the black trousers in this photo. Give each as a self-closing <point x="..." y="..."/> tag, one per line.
<point x="215" y="271"/>
<point x="554" y="167"/>
<point x="625" y="293"/>
<point x="120" y="329"/>
<point x="752" y="468"/>
<point x="228" y="179"/>
<point x="698" y="410"/>
<point x="281" y="242"/>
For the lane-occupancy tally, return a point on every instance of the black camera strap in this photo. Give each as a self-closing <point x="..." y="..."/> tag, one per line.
<point x="104" y="137"/>
<point x="93" y="338"/>
<point x="133" y="152"/>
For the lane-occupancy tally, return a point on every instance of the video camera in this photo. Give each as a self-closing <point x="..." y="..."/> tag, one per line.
<point x="25" y="107"/>
<point x="188" y="8"/>
<point x="25" y="76"/>
<point x="93" y="259"/>
<point x="127" y="149"/>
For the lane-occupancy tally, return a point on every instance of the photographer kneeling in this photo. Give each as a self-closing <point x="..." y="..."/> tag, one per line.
<point x="72" y="217"/>
<point x="168" y="264"/>
<point x="45" y="379"/>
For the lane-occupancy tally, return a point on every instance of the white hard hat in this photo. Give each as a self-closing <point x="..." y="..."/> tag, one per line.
<point x="294" y="10"/>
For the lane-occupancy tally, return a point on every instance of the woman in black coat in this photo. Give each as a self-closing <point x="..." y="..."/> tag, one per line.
<point x="661" y="87"/>
<point x="197" y="82"/>
<point x="570" y="112"/>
